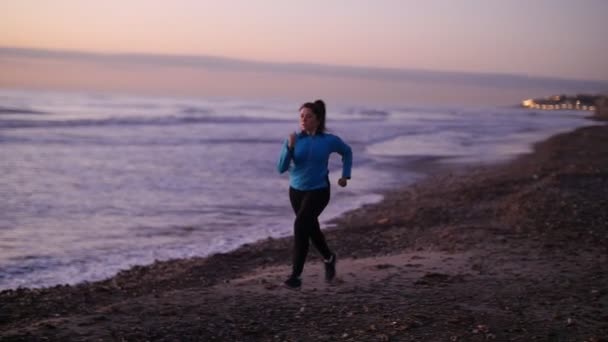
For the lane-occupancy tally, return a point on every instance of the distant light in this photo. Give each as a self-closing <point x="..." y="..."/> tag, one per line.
<point x="528" y="103"/>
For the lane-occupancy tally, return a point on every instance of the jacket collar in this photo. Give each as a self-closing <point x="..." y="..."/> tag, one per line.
<point x="304" y="134"/>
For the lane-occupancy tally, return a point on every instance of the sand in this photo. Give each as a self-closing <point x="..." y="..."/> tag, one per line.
<point x="516" y="251"/>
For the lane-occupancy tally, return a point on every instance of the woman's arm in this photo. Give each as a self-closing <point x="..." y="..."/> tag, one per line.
<point x="285" y="158"/>
<point x="347" y="156"/>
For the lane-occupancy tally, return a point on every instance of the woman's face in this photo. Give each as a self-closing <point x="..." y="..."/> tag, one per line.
<point x="308" y="120"/>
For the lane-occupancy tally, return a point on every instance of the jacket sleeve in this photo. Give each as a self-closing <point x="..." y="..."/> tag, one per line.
<point x="347" y="156"/>
<point x="285" y="158"/>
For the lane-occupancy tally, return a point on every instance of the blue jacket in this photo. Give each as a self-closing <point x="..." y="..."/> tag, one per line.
<point x="310" y="157"/>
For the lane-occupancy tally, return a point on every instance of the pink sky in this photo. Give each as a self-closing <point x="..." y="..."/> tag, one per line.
<point x="547" y="38"/>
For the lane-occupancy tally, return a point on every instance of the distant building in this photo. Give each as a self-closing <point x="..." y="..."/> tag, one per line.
<point x="564" y="102"/>
<point x="601" y="106"/>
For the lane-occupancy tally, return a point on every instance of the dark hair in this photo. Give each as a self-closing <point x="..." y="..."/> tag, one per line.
<point x="318" y="109"/>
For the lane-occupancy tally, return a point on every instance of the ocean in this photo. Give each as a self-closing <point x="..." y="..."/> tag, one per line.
<point x="92" y="184"/>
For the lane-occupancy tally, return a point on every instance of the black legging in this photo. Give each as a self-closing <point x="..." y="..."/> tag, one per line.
<point x="308" y="205"/>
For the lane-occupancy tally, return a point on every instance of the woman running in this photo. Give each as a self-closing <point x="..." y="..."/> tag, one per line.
<point x="306" y="156"/>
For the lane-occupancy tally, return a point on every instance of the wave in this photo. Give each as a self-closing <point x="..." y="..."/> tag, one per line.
<point x="131" y="121"/>
<point x="88" y="141"/>
<point x="12" y="110"/>
<point x="196" y="110"/>
<point x="366" y="112"/>
<point x="193" y="116"/>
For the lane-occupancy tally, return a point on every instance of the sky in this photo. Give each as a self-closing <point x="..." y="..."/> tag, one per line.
<point x="108" y="44"/>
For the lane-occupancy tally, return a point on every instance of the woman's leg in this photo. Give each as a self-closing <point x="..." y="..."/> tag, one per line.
<point x="307" y="205"/>
<point x="300" y="234"/>
<point x="316" y="236"/>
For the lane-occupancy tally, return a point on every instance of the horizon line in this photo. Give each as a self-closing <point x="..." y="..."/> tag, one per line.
<point x="494" y="79"/>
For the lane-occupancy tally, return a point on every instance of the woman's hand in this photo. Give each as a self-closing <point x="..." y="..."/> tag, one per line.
<point x="292" y="140"/>
<point x="342" y="182"/>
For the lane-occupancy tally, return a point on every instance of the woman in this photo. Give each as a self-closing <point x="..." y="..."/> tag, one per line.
<point x="308" y="154"/>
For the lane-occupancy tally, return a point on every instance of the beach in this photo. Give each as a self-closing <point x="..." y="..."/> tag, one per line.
<point x="514" y="251"/>
<point x="117" y="181"/>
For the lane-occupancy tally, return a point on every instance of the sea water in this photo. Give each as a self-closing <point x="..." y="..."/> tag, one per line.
<point x="91" y="184"/>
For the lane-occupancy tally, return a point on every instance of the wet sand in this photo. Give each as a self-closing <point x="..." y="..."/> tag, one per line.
<point x="511" y="252"/>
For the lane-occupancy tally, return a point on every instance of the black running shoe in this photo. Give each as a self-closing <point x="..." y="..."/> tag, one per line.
<point x="330" y="268"/>
<point x="293" y="282"/>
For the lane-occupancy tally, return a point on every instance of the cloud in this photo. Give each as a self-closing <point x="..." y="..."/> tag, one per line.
<point x="214" y="63"/>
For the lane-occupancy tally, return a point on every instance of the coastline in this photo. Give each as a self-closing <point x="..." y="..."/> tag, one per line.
<point x="499" y="252"/>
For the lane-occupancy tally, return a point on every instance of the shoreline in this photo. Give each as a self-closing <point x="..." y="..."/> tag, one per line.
<point x="48" y="269"/>
<point x="484" y="252"/>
